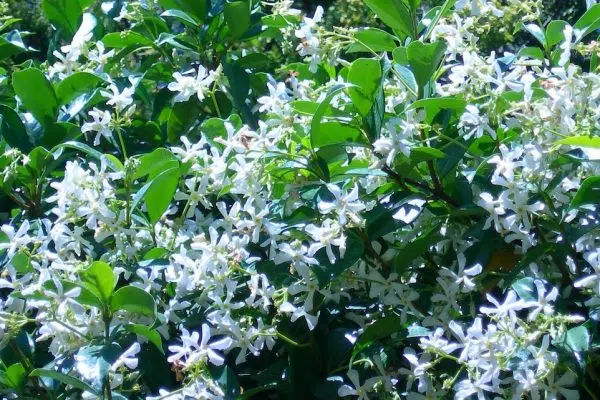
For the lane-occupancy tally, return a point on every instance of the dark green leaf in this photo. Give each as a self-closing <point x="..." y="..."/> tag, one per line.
<point x="326" y="271"/>
<point x="13" y="130"/>
<point x="237" y="16"/>
<point x="151" y="334"/>
<point x="416" y="248"/>
<point x="129" y="39"/>
<point x="588" y="193"/>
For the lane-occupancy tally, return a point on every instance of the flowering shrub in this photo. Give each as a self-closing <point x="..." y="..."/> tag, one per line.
<point x="391" y="214"/>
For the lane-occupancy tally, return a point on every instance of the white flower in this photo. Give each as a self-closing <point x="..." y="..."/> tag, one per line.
<point x="358" y="390"/>
<point x="344" y="204"/>
<point x="100" y="125"/>
<point x="120" y="100"/>
<point x="187" y="85"/>
<point x="192" y="351"/>
<point x="472" y="123"/>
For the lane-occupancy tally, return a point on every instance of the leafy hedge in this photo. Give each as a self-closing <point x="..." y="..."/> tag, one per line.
<point x="209" y="199"/>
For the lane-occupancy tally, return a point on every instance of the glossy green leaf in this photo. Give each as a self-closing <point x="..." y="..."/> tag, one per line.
<point x="555" y="33"/>
<point x="380" y="329"/>
<point x="121" y="40"/>
<point x="64" y="14"/>
<point x="37" y="94"/>
<point x="15" y="376"/>
<point x="13" y="130"/>
<point x="535" y="31"/>
<point x="589" y="22"/>
<point x="592" y="142"/>
<point x="65" y="379"/>
<point x="133" y="299"/>
<point x="588" y="193"/>
<point x="75" y="85"/>
<point x="151" y="334"/>
<point x="396" y="14"/>
<point x="100" y="279"/>
<point x="416" y="248"/>
<point x="160" y="193"/>
<point x="336" y="133"/>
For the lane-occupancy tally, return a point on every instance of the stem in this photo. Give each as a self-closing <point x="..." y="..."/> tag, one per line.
<point x="123" y="150"/>
<point x="214" y="100"/>
<point x="290" y="341"/>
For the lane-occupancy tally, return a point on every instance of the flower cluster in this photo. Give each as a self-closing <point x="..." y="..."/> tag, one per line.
<point x="420" y="221"/>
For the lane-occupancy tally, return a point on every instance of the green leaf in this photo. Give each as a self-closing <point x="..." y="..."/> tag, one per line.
<point x="336" y="133"/>
<point x="395" y="14"/>
<point x="151" y="334"/>
<point x="424" y="60"/>
<point x="315" y="125"/>
<point x="36" y="94"/>
<point x="75" y="85"/>
<point x="372" y="40"/>
<point x="182" y="115"/>
<point x="434" y="104"/>
<point x="588" y="193"/>
<point x="129" y="39"/>
<point x="237" y="16"/>
<point x="525" y="288"/>
<point x="420" y="154"/>
<point x="555" y="33"/>
<point x="365" y="74"/>
<point x="64" y="14"/>
<point x="326" y="271"/>
<point x="535" y="31"/>
<point x="13" y="130"/>
<point x="133" y="299"/>
<point x="11" y="44"/>
<point x="581" y="141"/>
<point x="112" y="163"/>
<point x="62" y="378"/>
<point x="407" y="78"/>
<point x="416" y="248"/>
<point x="151" y="164"/>
<point x="444" y="10"/>
<point x="99" y="278"/>
<point x="196" y="8"/>
<point x="589" y="22"/>
<point x="380" y="329"/>
<point x="15" y="376"/>
<point x="160" y="192"/>
<point x="532" y="52"/>
<point x="182" y="16"/>
<point x="575" y="339"/>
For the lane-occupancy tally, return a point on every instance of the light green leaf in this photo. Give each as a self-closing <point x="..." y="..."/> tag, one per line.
<point x="424" y="60"/>
<point x="365" y="75"/>
<point x="420" y="154"/>
<point x="99" y="278"/>
<point x="121" y="40"/>
<point x="396" y="14"/>
<point x="372" y="40"/>
<point x="589" y="22"/>
<point x="15" y="376"/>
<point x="133" y="299"/>
<point x="581" y="141"/>
<point x="555" y="33"/>
<point x="336" y="133"/>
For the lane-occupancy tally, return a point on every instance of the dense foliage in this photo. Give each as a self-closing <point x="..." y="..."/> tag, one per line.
<point x="209" y="199"/>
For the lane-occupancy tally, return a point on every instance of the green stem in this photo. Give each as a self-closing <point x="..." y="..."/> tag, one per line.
<point x="290" y="341"/>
